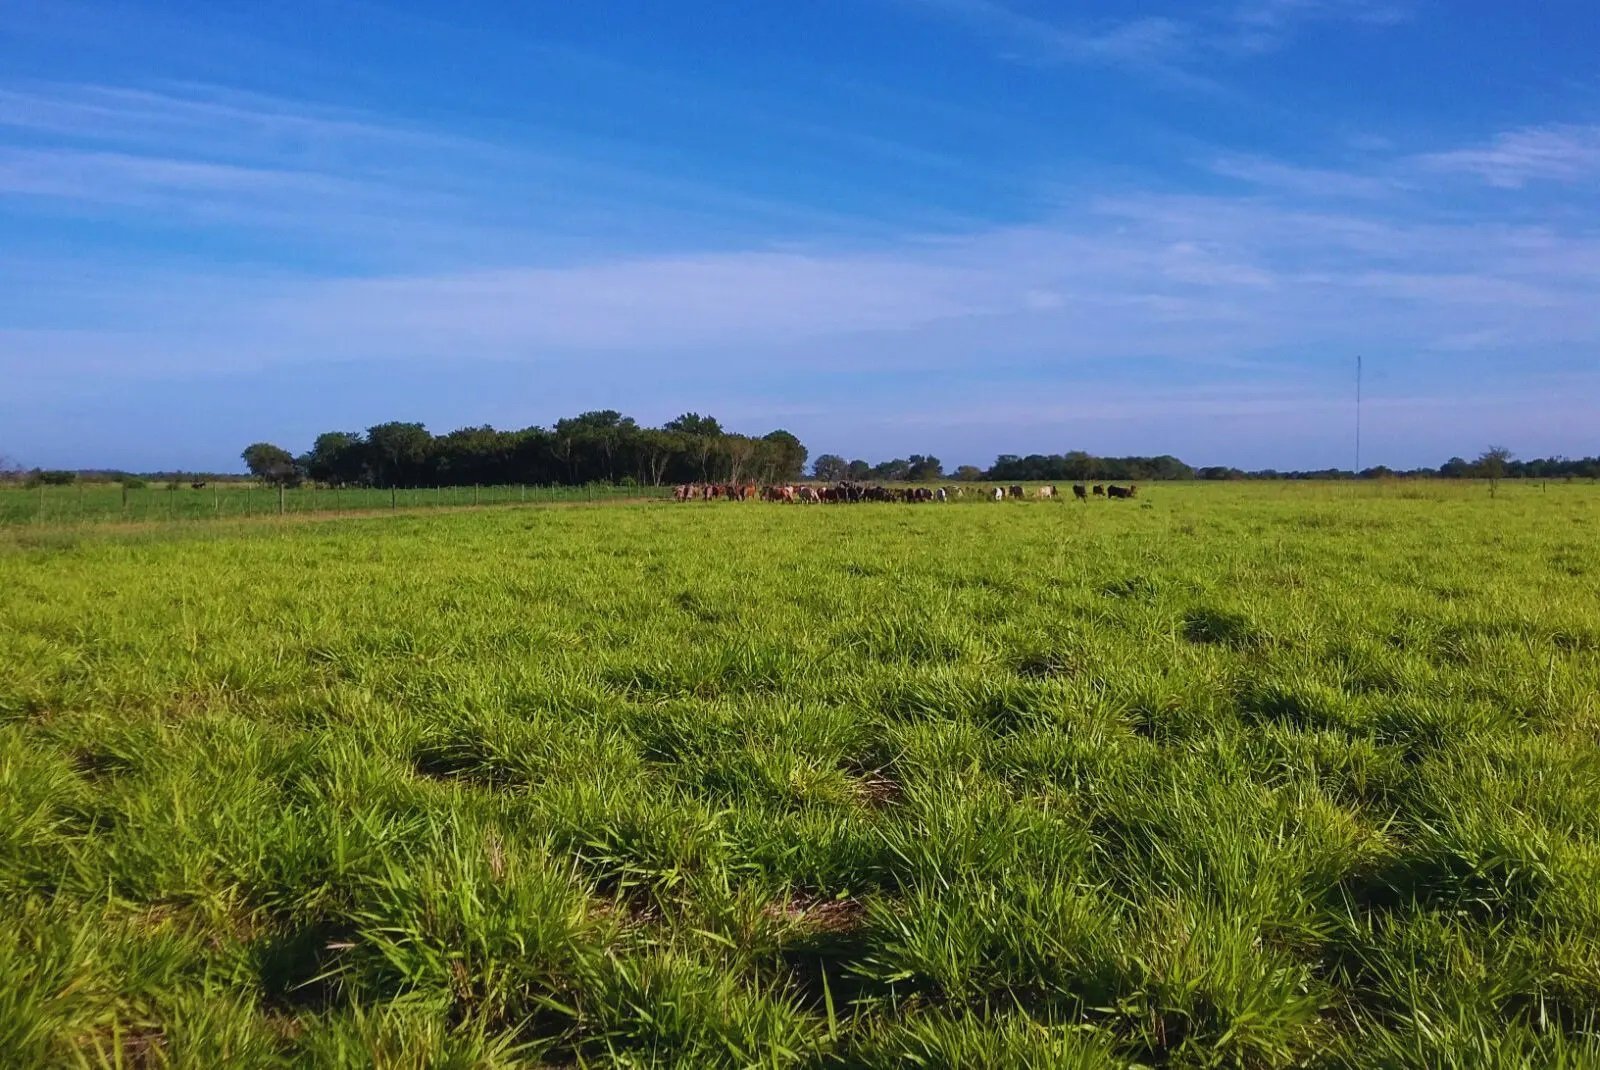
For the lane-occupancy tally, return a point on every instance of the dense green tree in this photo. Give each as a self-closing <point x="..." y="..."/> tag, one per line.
<point x="782" y="457"/>
<point x="830" y="467"/>
<point x="859" y="470"/>
<point x="661" y="454"/>
<point x="692" y="423"/>
<point x="337" y="458"/>
<point x="1077" y="465"/>
<point x="271" y="464"/>
<point x="924" y="469"/>
<point x="399" y="453"/>
<point x="738" y="458"/>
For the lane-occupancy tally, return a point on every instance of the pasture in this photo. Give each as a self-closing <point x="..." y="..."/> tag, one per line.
<point x="1242" y="775"/>
<point x="107" y="503"/>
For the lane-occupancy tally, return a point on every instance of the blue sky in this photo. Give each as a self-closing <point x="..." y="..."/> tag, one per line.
<point x="962" y="227"/>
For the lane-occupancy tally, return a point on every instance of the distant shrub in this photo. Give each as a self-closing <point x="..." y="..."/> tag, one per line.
<point x="132" y="483"/>
<point x="51" y="478"/>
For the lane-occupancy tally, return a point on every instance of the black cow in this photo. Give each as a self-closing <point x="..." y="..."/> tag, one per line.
<point x="1121" y="492"/>
<point x="1080" y="492"/>
<point x="1100" y="489"/>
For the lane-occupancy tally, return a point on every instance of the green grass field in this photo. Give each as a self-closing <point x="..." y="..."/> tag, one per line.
<point x="1265" y="775"/>
<point x="96" y="503"/>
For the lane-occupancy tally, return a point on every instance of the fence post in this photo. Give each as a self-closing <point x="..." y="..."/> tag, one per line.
<point x="41" y="503"/>
<point x="522" y="492"/>
<point x="172" y="509"/>
<point x="474" y="494"/>
<point x="392" y="498"/>
<point x="280" y="499"/>
<point x="216" y="499"/>
<point x="124" y="501"/>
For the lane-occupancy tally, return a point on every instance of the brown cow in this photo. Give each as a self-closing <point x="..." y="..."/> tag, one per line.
<point x="1016" y="490"/>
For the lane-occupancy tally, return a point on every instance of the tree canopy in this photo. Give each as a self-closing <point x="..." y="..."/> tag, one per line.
<point x="597" y="446"/>
<point x="271" y="464"/>
<point x="604" y="445"/>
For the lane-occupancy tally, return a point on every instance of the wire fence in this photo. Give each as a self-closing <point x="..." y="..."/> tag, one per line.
<point x="93" y="503"/>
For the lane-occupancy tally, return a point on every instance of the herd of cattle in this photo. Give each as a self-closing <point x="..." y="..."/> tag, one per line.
<point x="865" y="492"/>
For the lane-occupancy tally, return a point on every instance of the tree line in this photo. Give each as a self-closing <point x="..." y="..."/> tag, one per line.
<point x="592" y="447"/>
<point x="608" y="447"/>
<point x="1494" y="463"/>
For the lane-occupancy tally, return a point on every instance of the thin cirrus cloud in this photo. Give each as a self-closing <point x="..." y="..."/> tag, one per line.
<point x="1263" y="25"/>
<point x="1168" y="47"/>
<point x="1205" y="279"/>
<point x="1562" y="153"/>
<point x="1310" y="182"/>
<point x="138" y="180"/>
<point x="226" y="118"/>
<point x="203" y="152"/>
<point x="1558" y="154"/>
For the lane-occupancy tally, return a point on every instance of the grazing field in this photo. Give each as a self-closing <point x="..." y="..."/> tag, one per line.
<point x="1264" y="775"/>
<point x="98" y="503"/>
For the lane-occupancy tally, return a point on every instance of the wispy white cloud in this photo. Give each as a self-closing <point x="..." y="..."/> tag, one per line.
<point x="1311" y="182"/>
<point x="190" y="152"/>
<point x="1265" y="25"/>
<point x="225" y="118"/>
<point x="1154" y="44"/>
<point x="1555" y="153"/>
<point x="1174" y="48"/>
<point x="142" y="180"/>
<point x="1204" y="279"/>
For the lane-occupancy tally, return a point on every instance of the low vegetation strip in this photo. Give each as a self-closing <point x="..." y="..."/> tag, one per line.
<point x="1266" y="775"/>
<point x="98" y="503"/>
